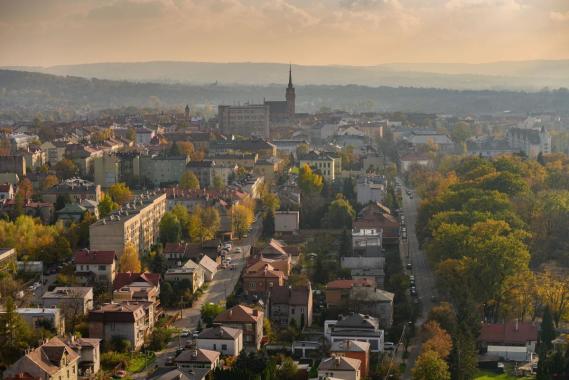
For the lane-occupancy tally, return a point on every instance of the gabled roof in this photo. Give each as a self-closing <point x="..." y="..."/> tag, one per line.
<point x="207" y="263"/>
<point x="123" y="279"/>
<point x="239" y="313"/>
<point x="199" y="355"/>
<point x="47" y="356"/>
<point x="347" y="284"/>
<point x="261" y="269"/>
<point x="349" y="345"/>
<point x="175" y="247"/>
<point x="94" y="257"/>
<point x="290" y="296"/>
<point x="512" y="332"/>
<point x="220" y="332"/>
<point x="339" y="363"/>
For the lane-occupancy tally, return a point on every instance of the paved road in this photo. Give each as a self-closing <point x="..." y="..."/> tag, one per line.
<point x="222" y="286"/>
<point x="421" y="269"/>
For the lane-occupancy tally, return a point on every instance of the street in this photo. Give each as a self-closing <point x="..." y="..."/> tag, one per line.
<point x="219" y="289"/>
<point x="425" y="281"/>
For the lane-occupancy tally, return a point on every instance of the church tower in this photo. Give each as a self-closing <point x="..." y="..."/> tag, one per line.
<point x="187" y="113"/>
<point x="290" y="95"/>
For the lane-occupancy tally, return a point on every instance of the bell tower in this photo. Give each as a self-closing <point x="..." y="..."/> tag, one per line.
<point x="290" y="95"/>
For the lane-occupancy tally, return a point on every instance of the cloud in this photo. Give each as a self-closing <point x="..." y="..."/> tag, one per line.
<point x="559" y="16"/>
<point x="127" y="10"/>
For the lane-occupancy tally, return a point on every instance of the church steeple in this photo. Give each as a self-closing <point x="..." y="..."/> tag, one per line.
<point x="290" y="95"/>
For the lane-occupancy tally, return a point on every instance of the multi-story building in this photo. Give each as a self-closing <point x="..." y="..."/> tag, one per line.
<point x="247" y="319"/>
<point x="163" y="169"/>
<point x="8" y="258"/>
<point x="355" y="350"/>
<point x="323" y="163"/>
<point x="126" y="320"/>
<point x="72" y="300"/>
<point x="291" y="303"/>
<point x="262" y="147"/>
<point x="260" y="279"/>
<point x="95" y="266"/>
<point x="53" y="360"/>
<point x="531" y="141"/>
<point x="339" y="367"/>
<point x="76" y="189"/>
<point x="189" y="271"/>
<point x="364" y="328"/>
<point x="37" y="317"/>
<point x="7" y="192"/>
<point x="136" y="223"/>
<point x="246" y="120"/>
<point x="89" y="351"/>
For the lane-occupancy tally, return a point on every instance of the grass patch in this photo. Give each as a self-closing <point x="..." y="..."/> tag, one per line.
<point x="136" y="364"/>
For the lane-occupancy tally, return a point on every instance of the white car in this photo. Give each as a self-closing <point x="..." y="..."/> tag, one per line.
<point x="227" y="246"/>
<point x="228" y="259"/>
<point x="238" y="250"/>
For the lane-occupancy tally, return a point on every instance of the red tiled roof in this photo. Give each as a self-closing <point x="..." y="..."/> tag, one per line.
<point x="175" y="248"/>
<point x="22" y="376"/>
<point x="239" y="313"/>
<point x="347" y="284"/>
<point x="94" y="257"/>
<point x="514" y="333"/>
<point x="123" y="279"/>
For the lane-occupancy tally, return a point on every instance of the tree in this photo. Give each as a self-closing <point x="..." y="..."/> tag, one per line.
<point x="438" y="340"/>
<point x="241" y="219"/>
<point x="66" y="169"/>
<point x="185" y="147"/>
<point x="120" y="193"/>
<point x="61" y="201"/>
<point x="308" y="181"/>
<point x="288" y="369"/>
<point x="181" y="212"/>
<point x="430" y="366"/>
<point x="340" y="213"/>
<point x="15" y="334"/>
<point x="204" y="224"/>
<point x="269" y="225"/>
<point x="218" y="183"/>
<point x="189" y="181"/>
<point x="129" y="261"/>
<point x="106" y="206"/>
<point x="271" y="201"/>
<point x="48" y="182"/>
<point x="209" y="311"/>
<point x="170" y="228"/>
<point x="547" y="331"/>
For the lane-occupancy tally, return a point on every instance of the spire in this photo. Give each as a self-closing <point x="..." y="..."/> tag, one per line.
<point x="290" y="75"/>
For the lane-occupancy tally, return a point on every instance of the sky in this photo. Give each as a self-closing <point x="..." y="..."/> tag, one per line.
<point x="314" y="32"/>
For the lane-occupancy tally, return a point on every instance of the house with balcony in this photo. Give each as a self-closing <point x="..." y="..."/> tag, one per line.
<point x="95" y="266"/>
<point x="247" y="319"/>
<point x="286" y="304"/>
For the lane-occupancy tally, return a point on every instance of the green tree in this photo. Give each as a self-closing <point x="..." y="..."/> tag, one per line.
<point x="120" y="193"/>
<point x="209" y="311"/>
<point x="340" y="213"/>
<point x="547" y="331"/>
<point x="106" y="206"/>
<point x="189" y="181"/>
<point x="430" y="366"/>
<point x="15" y="334"/>
<point x="269" y="225"/>
<point x="288" y="369"/>
<point x="271" y="201"/>
<point x="181" y="212"/>
<point x="170" y="228"/>
<point x="61" y="201"/>
<point x="308" y="181"/>
<point x="218" y="183"/>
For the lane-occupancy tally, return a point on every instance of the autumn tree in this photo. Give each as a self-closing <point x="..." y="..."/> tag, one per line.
<point x="204" y="224"/>
<point x="340" y="213"/>
<point x="106" y="206"/>
<point x="308" y="181"/>
<point x="48" y="182"/>
<point x="430" y="366"/>
<point x="129" y="261"/>
<point x="241" y="219"/>
<point x="120" y="193"/>
<point x="438" y="340"/>
<point x="189" y="181"/>
<point x="181" y="212"/>
<point x="66" y="169"/>
<point x="185" y="147"/>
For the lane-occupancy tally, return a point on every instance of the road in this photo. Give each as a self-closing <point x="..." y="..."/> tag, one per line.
<point x="219" y="289"/>
<point x="424" y="277"/>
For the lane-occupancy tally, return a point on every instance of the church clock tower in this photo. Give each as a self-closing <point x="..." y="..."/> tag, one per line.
<point x="290" y="95"/>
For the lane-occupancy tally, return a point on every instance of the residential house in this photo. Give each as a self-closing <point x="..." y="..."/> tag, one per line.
<point x="55" y="151"/>
<point x="368" y="191"/>
<point x="209" y="268"/>
<point x="70" y="213"/>
<point x="278" y="254"/>
<point x="421" y="138"/>
<point x="373" y="301"/>
<point x="95" y="266"/>
<point x="170" y="373"/>
<point x="363" y="263"/>
<point x="7" y="191"/>
<point x="261" y="277"/>
<point x="204" y="171"/>
<point x="140" y="287"/>
<point x="355" y="350"/>
<point x="509" y="334"/>
<point x="53" y="360"/>
<point x="410" y="159"/>
<point x="367" y="241"/>
<point x="179" y="253"/>
<point x="89" y="351"/>
<point x="125" y="320"/>
<point x="377" y="216"/>
<point x="323" y="163"/>
<point x="243" y="160"/>
<point x="74" y="301"/>
<point x="190" y="271"/>
<point x="338" y="291"/>
<point x="287" y="222"/>
<point x="226" y="340"/>
<point x="291" y="303"/>
<point x="198" y="359"/>
<point x="355" y="326"/>
<point x="76" y="189"/>
<point x="163" y="169"/>
<point x="37" y="317"/>
<point x="305" y="349"/>
<point x="269" y="168"/>
<point x="247" y="319"/>
<point x="339" y="367"/>
<point x="531" y="141"/>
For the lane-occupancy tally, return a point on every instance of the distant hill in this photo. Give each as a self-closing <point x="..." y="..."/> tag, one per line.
<point x="26" y="93"/>
<point x="525" y="75"/>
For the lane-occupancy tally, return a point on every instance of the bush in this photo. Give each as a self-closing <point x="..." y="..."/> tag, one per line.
<point x="159" y="339"/>
<point x="119" y="344"/>
<point x="111" y="359"/>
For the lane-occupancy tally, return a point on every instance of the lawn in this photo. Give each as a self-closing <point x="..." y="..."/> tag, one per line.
<point x="485" y="375"/>
<point x="136" y="364"/>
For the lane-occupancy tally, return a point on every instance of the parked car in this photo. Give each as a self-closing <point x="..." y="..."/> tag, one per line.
<point x="409" y="266"/>
<point x="227" y="246"/>
<point x="185" y="333"/>
<point x="388" y="346"/>
<point x="238" y="250"/>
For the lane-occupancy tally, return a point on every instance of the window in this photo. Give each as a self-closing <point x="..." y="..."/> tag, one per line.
<point x="224" y="347"/>
<point x="102" y="267"/>
<point x="292" y="311"/>
<point x="252" y="285"/>
<point x="214" y="347"/>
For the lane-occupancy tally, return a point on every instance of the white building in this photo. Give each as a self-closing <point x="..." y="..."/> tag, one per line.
<point x="226" y="340"/>
<point x="339" y="367"/>
<point x="287" y="221"/>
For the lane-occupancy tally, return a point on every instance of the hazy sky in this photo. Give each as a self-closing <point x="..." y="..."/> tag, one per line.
<point x="357" y="32"/>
